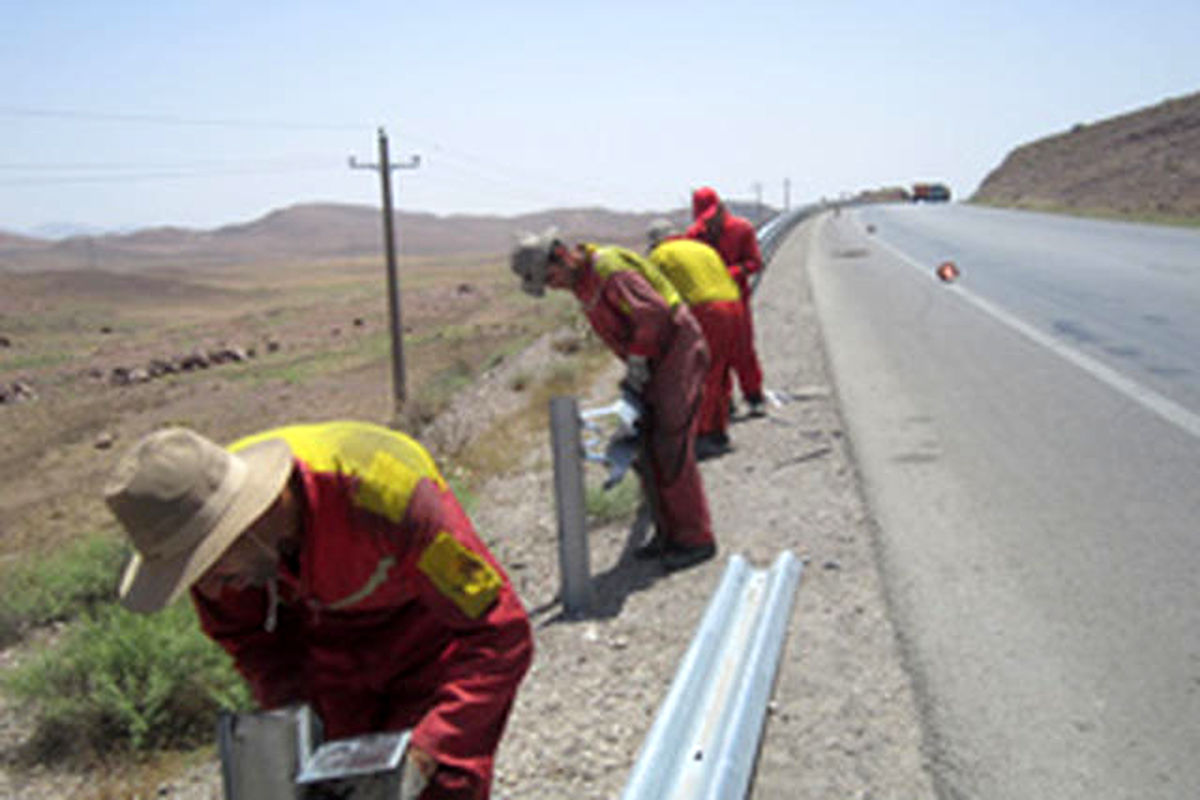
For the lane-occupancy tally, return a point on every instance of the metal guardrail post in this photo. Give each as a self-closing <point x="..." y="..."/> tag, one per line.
<point x="576" y="576"/>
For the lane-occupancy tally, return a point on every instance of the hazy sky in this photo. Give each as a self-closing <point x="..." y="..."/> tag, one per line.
<point x="129" y="113"/>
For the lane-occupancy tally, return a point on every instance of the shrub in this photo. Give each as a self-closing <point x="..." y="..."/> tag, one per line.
<point x="62" y="586"/>
<point x="618" y="503"/>
<point x="125" y="681"/>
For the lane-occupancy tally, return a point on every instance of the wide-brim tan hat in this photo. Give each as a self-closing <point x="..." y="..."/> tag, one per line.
<point x="183" y="500"/>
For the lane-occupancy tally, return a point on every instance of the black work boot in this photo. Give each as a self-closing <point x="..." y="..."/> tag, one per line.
<point x="679" y="557"/>
<point x="758" y="405"/>
<point x="711" y="445"/>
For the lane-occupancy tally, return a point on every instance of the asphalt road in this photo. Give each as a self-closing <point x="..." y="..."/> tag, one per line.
<point x="1029" y="439"/>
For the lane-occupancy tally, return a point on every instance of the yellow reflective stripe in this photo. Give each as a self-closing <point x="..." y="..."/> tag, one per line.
<point x="387" y="464"/>
<point x="385" y="486"/>
<point x="374" y="582"/>
<point x="460" y="575"/>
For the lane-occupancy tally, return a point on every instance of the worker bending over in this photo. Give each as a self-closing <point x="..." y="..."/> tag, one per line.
<point x="642" y="319"/>
<point x="335" y="565"/>
<point x="698" y="273"/>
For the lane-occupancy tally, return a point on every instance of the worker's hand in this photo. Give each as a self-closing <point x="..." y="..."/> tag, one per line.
<point x="629" y="414"/>
<point x="422" y="761"/>
<point x="418" y="770"/>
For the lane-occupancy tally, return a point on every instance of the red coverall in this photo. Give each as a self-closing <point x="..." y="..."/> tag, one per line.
<point x="738" y="245"/>
<point x="394" y="614"/>
<point x="632" y="318"/>
<point x="698" y="272"/>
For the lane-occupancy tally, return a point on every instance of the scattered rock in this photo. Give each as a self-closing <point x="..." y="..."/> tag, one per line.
<point x="105" y="440"/>
<point x="194" y="360"/>
<point x="17" y="392"/>
<point x="159" y="367"/>
<point x="227" y="355"/>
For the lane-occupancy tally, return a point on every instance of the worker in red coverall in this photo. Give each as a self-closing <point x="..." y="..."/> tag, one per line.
<point x="698" y="273"/>
<point x="642" y="319"/>
<point x="735" y="239"/>
<point x="334" y="564"/>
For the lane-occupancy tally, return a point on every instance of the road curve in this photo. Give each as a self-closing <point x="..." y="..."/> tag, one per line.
<point x="1024" y="440"/>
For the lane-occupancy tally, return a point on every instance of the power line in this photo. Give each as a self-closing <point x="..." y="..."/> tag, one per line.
<point x="135" y="177"/>
<point x="299" y="160"/>
<point x="519" y="178"/>
<point x="168" y="119"/>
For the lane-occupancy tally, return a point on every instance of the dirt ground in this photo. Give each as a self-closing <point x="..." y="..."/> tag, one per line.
<point x="843" y="722"/>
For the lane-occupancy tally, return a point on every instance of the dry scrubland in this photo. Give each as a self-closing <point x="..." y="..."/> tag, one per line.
<point x="313" y="343"/>
<point x="320" y="343"/>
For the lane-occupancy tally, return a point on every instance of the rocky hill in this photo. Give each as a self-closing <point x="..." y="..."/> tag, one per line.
<point x="1143" y="164"/>
<point x="322" y="231"/>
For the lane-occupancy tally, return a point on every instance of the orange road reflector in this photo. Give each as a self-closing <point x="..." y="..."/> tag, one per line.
<point x="947" y="271"/>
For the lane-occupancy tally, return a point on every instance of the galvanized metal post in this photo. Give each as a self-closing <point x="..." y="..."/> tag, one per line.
<point x="576" y="577"/>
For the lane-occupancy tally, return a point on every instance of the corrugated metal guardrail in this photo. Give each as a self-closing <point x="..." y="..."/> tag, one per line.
<point x="772" y="233"/>
<point x="704" y="741"/>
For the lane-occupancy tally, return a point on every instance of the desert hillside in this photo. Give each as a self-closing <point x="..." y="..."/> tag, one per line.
<point x="316" y="231"/>
<point x="1143" y="164"/>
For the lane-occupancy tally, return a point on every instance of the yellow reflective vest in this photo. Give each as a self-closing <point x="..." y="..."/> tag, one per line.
<point x="608" y="259"/>
<point x="696" y="270"/>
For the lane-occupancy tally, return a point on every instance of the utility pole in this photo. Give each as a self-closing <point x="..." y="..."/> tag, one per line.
<point x="384" y="168"/>
<point x="787" y="194"/>
<point x="758" y="210"/>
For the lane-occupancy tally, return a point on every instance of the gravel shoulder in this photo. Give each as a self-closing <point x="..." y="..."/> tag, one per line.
<point x="844" y="720"/>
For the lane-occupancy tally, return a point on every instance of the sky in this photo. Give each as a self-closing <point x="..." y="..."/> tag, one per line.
<point x="129" y="114"/>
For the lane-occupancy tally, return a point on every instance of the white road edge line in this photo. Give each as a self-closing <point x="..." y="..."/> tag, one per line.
<point x="1153" y="401"/>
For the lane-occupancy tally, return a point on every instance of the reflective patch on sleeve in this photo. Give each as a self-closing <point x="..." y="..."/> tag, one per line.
<point x="461" y="575"/>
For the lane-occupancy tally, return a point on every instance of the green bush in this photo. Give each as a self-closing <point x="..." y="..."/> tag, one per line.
<point x="124" y="681"/>
<point x="618" y="503"/>
<point x="60" y="587"/>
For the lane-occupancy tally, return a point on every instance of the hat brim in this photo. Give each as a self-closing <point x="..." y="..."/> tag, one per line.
<point x="150" y="585"/>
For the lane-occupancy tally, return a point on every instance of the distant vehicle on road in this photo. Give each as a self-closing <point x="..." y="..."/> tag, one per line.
<point x="930" y="192"/>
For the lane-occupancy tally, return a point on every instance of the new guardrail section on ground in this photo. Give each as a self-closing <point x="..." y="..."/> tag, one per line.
<point x="704" y="741"/>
